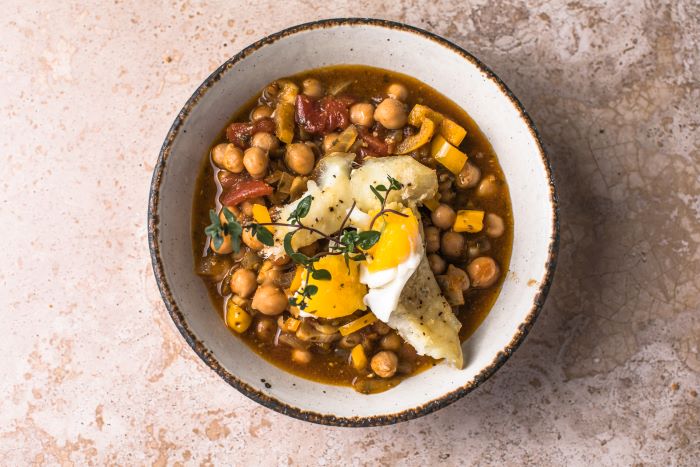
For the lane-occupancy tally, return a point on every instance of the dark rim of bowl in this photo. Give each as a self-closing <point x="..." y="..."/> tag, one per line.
<point x="264" y="399"/>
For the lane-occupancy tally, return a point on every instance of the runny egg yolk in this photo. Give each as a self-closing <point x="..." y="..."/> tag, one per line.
<point x="342" y="295"/>
<point x="399" y="238"/>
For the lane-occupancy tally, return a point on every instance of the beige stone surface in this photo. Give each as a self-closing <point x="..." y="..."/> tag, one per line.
<point x="93" y="370"/>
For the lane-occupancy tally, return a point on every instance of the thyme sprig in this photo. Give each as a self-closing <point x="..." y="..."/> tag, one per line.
<point x="218" y="230"/>
<point x="348" y="242"/>
<point x="394" y="185"/>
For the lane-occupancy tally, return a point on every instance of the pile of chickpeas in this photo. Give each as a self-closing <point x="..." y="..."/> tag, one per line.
<point x="299" y="158"/>
<point x="259" y="286"/>
<point x="445" y="247"/>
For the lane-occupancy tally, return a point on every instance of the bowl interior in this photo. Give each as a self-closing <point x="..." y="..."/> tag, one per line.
<point x="430" y="61"/>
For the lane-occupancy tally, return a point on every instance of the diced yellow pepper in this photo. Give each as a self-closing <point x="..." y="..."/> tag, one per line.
<point x="358" y="324"/>
<point x="452" y="132"/>
<point x="432" y="203"/>
<point x="358" y="357"/>
<point x="449" y="130"/>
<point x="420" y="112"/>
<point x="291" y="324"/>
<point x="413" y="142"/>
<point x="296" y="280"/>
<point x="449" y="156"/>
<point x="237" y="318"/>
<point x="284" y="122"/>
<point x="469" y="221"/>
<point x="262" y="216"/>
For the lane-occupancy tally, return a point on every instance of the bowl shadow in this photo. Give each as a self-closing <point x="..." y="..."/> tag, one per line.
<point x="546" y="362"/>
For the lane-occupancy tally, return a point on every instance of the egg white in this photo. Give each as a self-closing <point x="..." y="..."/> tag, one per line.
<point x="385" y="286"/>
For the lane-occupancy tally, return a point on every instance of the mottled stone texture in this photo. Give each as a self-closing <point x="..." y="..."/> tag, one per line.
<point x="93" y="370"/>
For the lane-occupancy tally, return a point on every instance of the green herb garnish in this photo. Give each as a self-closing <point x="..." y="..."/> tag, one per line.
<point x="347" y="242"/>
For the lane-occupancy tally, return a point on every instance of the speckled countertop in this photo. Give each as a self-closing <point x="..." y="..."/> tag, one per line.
<point x="93" y="370"/>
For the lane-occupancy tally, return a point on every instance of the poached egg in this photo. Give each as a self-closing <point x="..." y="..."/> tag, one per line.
<point x="392" y="260"/>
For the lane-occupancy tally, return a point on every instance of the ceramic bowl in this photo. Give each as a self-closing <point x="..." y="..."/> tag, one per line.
<point x="442" y="65"/>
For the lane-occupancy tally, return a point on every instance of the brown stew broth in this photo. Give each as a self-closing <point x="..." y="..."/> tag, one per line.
<point x="367" y="82"/>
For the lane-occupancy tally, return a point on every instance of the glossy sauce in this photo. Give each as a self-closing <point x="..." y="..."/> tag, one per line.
<point x="332" y="368"/>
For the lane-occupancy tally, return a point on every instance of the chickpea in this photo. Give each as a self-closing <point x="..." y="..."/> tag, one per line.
<point x="445" y="186"/>
<point x="432" y="239"/>
<point x="391" y="114"/>
<point x="468" y="177"/>
<point x="246" y="206"/>
<point x="381" y="328"/>
<point x="300" y="158"/>
<point x="458" y="276"/>
<point x="362" y="114"/>
<point x="261" y="111"/>
<point x="243" y="282"/>
<point x="250" y="241"/>
<point x="269" y="274"/>
<point x="265" y="141"/>
<point x="225" y="248"/>
<point x="487" y="187"/>
<point x="328" y="141"/>
<point x="270" y="300"/>
<point x="443" y="216"/>
<point x="266" y="329"/>
<point x="301" y="356"/>
<point x="312" y="87"/>
<point x="494" y="225"/>
<point x="222" y="215"/>
<point x="483" y="272"/>
<point x="452" y="244"/>
<point x="391" y="342"/>
<point x="384" y="363"/>
<point x="350" y="341"/>
<point x="437" y="264"/>
<point x="371" y="334"/>
<point x="240" y="301"/>
<point x="271" y="91"/>
<point x="228" y="157"/>
<point x="478" y="247"/>
<point x="397" y="91"/>
<point x="255" y="161"/>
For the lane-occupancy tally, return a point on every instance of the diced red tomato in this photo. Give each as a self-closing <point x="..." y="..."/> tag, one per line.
<point x="323" y="116"/>
<point x="239" y="134"/>
<point x="238" y="188"/>
<point x="336" y="110"/>
<point x="308" y="114"/>
<point x="265" y="124"/>
<point x="375" y="144"/>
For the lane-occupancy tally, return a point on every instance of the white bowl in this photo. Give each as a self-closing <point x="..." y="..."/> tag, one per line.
<point x="442" y="65"/>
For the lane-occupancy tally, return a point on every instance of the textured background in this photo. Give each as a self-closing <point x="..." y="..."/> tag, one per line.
<point x="93" y="370"/>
